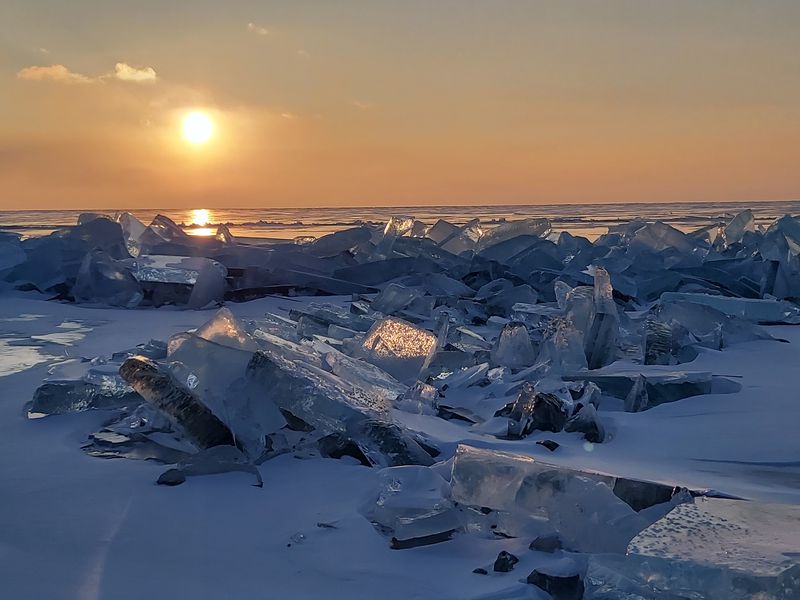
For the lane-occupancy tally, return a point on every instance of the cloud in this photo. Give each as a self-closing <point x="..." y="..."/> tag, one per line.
<point x="257" y="29"/>
<point x="125" y="72"/>
<point x="303" y="53"/>
<point x="58" y="73"/>
<point x="61" y="74"/>
<point x="362" y="105"/>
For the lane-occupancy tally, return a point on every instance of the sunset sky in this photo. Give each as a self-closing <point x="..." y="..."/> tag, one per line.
<point x="337" y="103"/>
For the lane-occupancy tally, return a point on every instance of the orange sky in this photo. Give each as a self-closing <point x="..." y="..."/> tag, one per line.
<point x="380" y="103"/>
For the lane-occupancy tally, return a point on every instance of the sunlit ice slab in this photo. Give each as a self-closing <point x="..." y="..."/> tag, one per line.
<point x="712" y="548"/>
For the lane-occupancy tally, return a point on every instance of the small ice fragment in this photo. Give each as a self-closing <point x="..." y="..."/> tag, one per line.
<point x="335" y="243"/>
<point x="587" y="422"/>
<point x="58" y="397"/>
<point x="504" y="562"/>
<point x="755" y="310"/>
<point x="738" y="226"/>
<point x="225" y="329"/>
<point x="637" y="399"/>
<point x="601" y="340"/>
<point x="513" y="347"/>
<point x="531" y="227"/>
<point x="420" y="399"/>
<point x="394" y="298"/>
<point x="411" y="503"/>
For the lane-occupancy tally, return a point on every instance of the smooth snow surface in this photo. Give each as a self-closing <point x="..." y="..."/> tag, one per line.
<point x="74" y="527"/>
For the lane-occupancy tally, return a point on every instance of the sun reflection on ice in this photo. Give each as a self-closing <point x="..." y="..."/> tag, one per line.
<point x="199" y="219"/>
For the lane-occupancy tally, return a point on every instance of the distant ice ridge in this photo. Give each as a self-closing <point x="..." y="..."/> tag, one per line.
<point x="507" y="333"/>
<point x="119" y="261"/>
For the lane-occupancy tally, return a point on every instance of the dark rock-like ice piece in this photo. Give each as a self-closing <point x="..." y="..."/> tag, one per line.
<point x="642" y="494"/>
<point x="171" y="477"/>
<point x="337" y="445"/>
<point x="546" y="543"/>
<point x="533" y="410"/>
<point x="587" y="422"/>
<point x="559" y="586"/>
<point x="657" y="386"/>
<point x="194" y="418"/>
<point x="549" y="444"/>
<point x="136" y="446"/>
<point x="387" y="445"/>
<point x="504" y="562"/>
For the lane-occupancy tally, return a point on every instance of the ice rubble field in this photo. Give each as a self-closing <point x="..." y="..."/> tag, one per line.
<point x="398" y="429"/>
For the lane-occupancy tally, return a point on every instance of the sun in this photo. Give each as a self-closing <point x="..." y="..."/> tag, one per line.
<point x="197" y="127"/>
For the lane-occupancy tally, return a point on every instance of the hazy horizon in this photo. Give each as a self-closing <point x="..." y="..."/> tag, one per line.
<point x="278" y="207"/>
<point x="354" y="104"/>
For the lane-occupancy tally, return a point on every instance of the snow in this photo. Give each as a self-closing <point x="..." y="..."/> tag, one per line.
<point x="77" y="527"/>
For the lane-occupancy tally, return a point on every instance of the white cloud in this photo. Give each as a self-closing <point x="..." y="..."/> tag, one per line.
<point x="61" y="74"/>
<point x="125" y="72"/>
<point x="303" y="53"/>
<point x="58" y="73"/>
<point x="257" y="29"/>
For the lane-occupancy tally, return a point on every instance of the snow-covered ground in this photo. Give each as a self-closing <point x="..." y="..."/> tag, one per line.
<point x="83" y="528"/>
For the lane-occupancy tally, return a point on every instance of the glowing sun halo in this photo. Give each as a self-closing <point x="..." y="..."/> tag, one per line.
<point x="197" y="127"/>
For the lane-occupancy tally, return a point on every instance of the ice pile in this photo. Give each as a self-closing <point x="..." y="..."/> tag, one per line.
<point x="733" y="267"/>
<point x="509" y="333"/>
